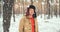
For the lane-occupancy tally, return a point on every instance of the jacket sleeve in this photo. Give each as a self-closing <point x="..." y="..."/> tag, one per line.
<point x="36" y="26"/>
<point x="21" y="24"/>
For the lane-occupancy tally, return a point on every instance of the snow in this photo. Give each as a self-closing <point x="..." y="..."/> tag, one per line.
<point x="1" y="28"/>
<point x="44" y="24"/>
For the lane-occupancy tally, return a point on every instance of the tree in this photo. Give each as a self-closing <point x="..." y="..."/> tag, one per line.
<point x="55" y="9"/>
<point x="48" y="8"/>
<point x="7" y="12"/>
<point x="59" y="7"/>
<point x="31" y="2"/>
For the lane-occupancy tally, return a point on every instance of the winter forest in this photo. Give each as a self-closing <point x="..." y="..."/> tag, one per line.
<point x="48" y="14"/>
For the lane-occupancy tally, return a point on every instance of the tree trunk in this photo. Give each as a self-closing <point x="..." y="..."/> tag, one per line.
<point x="59" y="8"/>
<point x="31" y="2"/>
<point x="48" y="8"/>
<point x="7" y="12"/>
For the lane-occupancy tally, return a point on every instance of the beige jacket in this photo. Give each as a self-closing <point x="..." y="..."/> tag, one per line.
<point x="25" y="25"/>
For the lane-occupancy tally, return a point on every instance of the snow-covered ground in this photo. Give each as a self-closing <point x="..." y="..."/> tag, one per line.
<point x="44" y="24"/>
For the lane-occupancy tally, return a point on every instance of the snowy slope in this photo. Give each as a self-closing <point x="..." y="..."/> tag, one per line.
<point x="44" y="24"/>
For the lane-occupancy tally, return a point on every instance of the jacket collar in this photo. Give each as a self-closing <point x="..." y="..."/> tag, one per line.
<point x="29" y="17"/>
